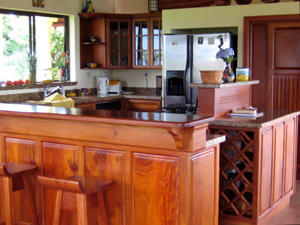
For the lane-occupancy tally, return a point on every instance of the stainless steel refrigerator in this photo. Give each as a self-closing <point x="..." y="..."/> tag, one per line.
<point x="183" y="57"/>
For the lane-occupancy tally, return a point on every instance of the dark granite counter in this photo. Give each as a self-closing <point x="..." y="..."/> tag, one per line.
<point x="269" y="117"/>
<point x="224" y="85"/>
<point x="109" y="97"/>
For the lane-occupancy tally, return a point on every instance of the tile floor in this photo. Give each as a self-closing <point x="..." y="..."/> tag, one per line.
<point x="291" y="214"/>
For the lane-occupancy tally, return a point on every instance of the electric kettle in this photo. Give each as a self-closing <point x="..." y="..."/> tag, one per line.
<point x="102" y="85"/>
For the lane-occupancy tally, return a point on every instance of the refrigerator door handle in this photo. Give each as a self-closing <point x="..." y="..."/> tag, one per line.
<point x="186" y="68"/>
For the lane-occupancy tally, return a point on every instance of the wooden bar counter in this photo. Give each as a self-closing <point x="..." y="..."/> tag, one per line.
<point x="162" y="169"/>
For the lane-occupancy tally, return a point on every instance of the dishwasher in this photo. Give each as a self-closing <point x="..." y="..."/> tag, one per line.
<point x="109" y="105"/>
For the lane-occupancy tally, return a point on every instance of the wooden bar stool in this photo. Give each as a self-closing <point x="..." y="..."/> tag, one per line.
<point x="78" y="193"/>
<point x="14" y="177"/>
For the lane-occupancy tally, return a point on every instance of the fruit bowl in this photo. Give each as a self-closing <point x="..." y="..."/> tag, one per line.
<point x="70" y="94"/>
<point x="92" y="65"/>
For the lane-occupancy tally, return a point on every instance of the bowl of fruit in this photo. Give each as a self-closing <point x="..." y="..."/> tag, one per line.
<point x="71" y="94"/>
<point x="92" y="65"/>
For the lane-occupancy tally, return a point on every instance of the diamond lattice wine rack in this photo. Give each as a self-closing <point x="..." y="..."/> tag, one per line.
<point x="236" y="172"/>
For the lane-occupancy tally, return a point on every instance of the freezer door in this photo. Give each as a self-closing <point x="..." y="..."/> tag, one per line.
<point x="175" y="52"/>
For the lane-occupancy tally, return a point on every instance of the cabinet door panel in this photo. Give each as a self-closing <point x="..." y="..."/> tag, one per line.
<point x="290" y="156"/>
<point x="205" y="182"/>
<point x="278" y="162"/>
<point x="265" y="171"/>
<point x="151" y="189"/>
<point x="59" y="161"/>
<point x="109" y="164"/>
<point x="21" y="151"/>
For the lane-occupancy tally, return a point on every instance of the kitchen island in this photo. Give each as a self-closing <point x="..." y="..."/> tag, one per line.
<point x="165" y="168"/>
<point x="257" y="165"/>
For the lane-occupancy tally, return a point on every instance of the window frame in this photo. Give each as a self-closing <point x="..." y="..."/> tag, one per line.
<point x="32" y="15"/>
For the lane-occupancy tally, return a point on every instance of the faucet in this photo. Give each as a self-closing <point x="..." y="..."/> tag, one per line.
<point x="60" y="89"/>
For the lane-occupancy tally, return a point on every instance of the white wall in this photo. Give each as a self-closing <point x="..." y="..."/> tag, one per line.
<point x="224" y="16"/>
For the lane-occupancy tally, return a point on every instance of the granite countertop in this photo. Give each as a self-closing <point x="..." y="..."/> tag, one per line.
<point x="270" y="117"/>
<point x="152" y="119"/>
<point x="224" y="85"/>
<point x="109" y="97"/>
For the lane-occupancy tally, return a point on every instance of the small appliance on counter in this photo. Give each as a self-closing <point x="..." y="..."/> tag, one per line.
<point x="102" y="85"/>
<point x="114" y="87"/>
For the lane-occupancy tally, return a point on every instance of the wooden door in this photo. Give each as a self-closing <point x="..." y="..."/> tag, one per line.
<point x="271" y="51"/>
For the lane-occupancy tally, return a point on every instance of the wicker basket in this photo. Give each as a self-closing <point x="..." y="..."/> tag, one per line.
<point x="211" y="76"/>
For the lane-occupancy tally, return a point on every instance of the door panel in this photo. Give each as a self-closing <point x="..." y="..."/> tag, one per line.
<point x="285" y="64"/>
<point x="271" y="51"/>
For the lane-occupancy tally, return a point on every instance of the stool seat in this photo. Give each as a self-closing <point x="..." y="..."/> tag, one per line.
<point x="76" y="184"/>
<point x="10" y="169"/>
<point x="14" y="177"/>
<point x="78" y="193"/>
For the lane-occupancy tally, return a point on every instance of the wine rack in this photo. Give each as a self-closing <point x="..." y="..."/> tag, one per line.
<point x="236" y="172"/>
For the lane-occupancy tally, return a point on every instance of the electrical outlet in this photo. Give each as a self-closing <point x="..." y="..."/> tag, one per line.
<point x="146" y="74"/>
<point x="105" y="74"/>
<point x="88" y="74"/>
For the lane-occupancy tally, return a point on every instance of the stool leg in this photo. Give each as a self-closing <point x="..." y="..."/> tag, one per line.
<point x="8" y="200"/>
<point x="57" y="208"/>
<point x="101" y="211"/>
<point x="82" y="209"/>
<point x="30" y="201"/>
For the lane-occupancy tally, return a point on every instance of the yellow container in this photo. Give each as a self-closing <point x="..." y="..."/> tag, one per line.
<point x="242" y="74"/>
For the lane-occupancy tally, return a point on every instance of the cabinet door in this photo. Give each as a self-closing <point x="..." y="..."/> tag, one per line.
<point x="147" y="42"/>
<point x="142" y="105"/>
<point x="59" y="161"/>
<point x="119" y="43"/>
<point x="141" y="43"/>
<point x="156" y="43"/>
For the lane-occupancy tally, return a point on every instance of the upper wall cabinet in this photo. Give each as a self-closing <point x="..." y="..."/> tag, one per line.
<point x="118" y="42"/>
<point x="147" y="42"/>
<point x="92" y="39"/>
<point x="121" y="40"/>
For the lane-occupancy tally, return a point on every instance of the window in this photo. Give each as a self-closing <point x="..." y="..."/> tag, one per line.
<point x="21" y="33"/>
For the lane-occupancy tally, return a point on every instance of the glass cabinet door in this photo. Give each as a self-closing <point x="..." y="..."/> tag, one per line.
<point x="147" y="42"/>
<point x="156" y="48"/>
<point x="119" y="43"/>
<point x="140" y="43"/>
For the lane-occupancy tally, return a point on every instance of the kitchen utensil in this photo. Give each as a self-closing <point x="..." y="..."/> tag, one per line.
<point x="102" y="85"/>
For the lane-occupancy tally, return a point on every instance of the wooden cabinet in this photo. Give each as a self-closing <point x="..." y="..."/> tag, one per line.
<point x="141" y="105"/>
<point x="119" y="45"/>
<point x="257" y="171"/>
<point x="86" y="105"/>
<point x="147" y="42"/>
<point x="118" y="42"/>
<point x="92" y="24"/>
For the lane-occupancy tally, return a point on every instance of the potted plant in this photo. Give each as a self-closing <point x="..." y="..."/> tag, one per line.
<point x="60" y="61"/>
<point x="31" y="64"/>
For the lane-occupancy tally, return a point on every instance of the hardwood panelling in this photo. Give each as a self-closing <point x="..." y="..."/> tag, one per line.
<point x="59" y="161"/>
<point x="21" y="151"/>
<point x="175" y="4"/>
<point x="109" y="164"/>
<point x="155" y="182"/>
<point x="208" y="162"/>
<point x="286" y="92"/>
<point x="290" y="157"/>
<point x="265" y="171"/>
<point x="258" y="65"/>
<point x="278" y="162"/>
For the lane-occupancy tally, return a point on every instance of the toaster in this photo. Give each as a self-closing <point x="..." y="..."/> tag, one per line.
<point x="114" y="87"/>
